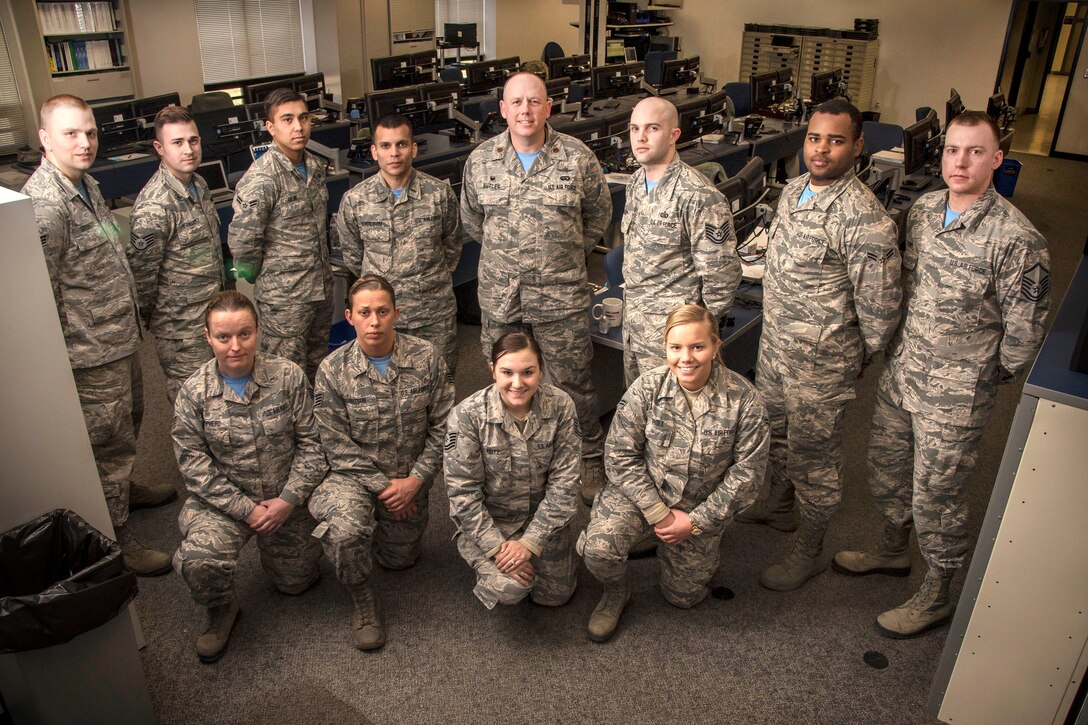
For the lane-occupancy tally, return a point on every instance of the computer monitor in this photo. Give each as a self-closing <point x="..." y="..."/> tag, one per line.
<point x="558" y="90"/>
<point x="679" y="72"/>
<point x="413" y="104"/>
<point x="487" y="75"/>
<point x="442" y="93"/>
<point x="999" y="110"/>
<point x="825" y="86"/>
<point x="583" y="130"/>
<point x="460" y="35"/>
<point x="144" y="111"/>
<point x="618" y="79"/>
<point x="117" y="126"/>
<point x="690" y="125"/>
<point x="312" y="87"/>
<point x="921" y="143"/>
<point x="397" y="71"/>
<point x="574" y="67"/>
<point x="953" y="107"/>
<point x="257" y="92"/>
<point x="770" y="88"/>
<point x="226" y="127"/>
<point x="717" y="102"/>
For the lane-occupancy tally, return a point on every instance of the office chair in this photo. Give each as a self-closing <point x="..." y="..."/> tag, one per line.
<point x="741" y="93"/>
<point x="613" y="267"/>
<point x="212" y="101"/>
<point x="451" y="74"/>
<point x="552" y="50"/>
<point x="655" y="61"/>
<point x="881" y="136"/>
<point x="921" y="112"/>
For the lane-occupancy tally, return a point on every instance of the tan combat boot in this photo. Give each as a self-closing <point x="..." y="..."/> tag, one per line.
<point x="606" y="615"/>
<point x="593" y="478"/>
<point x="150" y="496"/>
<point x="804" y="561"/>
<point x="776" y="510"/>
<point x="892" y="558"/>
<point x="211" y="645"/>
<point x="367" y="631"/>
<point x="141" y="560"/>
<point x="930" y="607"/>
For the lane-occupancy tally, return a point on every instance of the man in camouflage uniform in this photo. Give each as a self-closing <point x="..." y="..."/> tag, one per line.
<point x="175" y="252"/>
<point x="679" y="243"/>
<point x="976" y="299"/>
<point x="706" y="458"/>
<point x="507" y="482"/>
<point x="831" y="301"/>
<point x="241" y="456"/>
<point x="382" y="432"/>
<point x="278" y="237"/>
<point x="96" y="301"/>
<point x="403" y="224"/>
<point x="537" y="202"/>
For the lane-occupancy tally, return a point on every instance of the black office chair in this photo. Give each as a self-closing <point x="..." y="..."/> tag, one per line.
<point x="211" y="101"/>
<point x="881" y="136"/>
<point x="613" y="267"/>
<point x="741" y="93"/>
<point x="552" y="50"/>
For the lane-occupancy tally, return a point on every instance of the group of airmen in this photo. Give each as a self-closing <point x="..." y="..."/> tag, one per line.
<point x="336" y="453"/>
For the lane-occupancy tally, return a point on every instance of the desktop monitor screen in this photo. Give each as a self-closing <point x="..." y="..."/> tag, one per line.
<point x="825" y="86"/>
<point x="257" y="92"/>
<point x="442" y="93"/>
<point x="146" y="109"/>
<point x="762" y="87"/>
<point x="410" y="103"/>
<point x="679" y="72"/>
<point x="997" y="108"/>
<point x="921" y="143"/>
<point x="117" y="126"/>
<point x="558" y="90"/>
<point x="583" y="130"/>
<point x="575" y="67"/>
<point x="689" y="113"/>
<point x="486" y="75"/>
<point x="619" y="79"/>
<point x="953" y="107"/>
<point x="461" y="35"/>
<point x="397" y="71"/>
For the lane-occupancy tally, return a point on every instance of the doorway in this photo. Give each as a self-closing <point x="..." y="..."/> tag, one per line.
<point x="1040" y="47"/>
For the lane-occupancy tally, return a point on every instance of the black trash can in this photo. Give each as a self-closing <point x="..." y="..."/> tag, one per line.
<point x="59" y="578"/>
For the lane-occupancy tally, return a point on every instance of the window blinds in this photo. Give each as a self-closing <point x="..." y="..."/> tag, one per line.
<point x="249" y="38"/>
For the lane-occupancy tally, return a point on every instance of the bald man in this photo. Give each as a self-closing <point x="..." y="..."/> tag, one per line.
<point x="96" y="301"/>
<point x="537" y="202"/>
<point x="679" y="243"/>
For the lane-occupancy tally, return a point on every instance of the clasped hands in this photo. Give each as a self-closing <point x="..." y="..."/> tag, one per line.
<point x="513" y="560"/>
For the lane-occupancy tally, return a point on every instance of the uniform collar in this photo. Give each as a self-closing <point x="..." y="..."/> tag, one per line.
<point x="174" y="183"/>
<point x="552" y="150"/>
<point x="380" y="191"/>
<point x="973" y="215"/>
<point x="714" y="389"/>
<point x="259" y="377"/>
<point x="359" y="364"/>
<point x="666" y="185"/>
<point x="288" y="165"/>
<point x="65" y="183"/>
<point x="542" y="408"/>
<point x="821" y="200"/>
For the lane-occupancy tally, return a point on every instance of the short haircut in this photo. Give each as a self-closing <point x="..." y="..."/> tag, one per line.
<point x="229" y="301"/>
<point x="278" y="97"/>
<point x="686" y="314"/>
<point x="64" y="99"/>
<point x="171" y="114"/>
<point x="394" y="120"/>
<point x="516" y="341"/>
<point x="977" y="118"/>
<point x="839" y="107"/>
<point x="374" y="283"/>
<point x="529" y="75"/>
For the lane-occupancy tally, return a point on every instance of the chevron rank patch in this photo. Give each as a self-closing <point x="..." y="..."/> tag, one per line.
<point x="880" y="257"/>
<point x="717" y="234"/>
<point x="249" y="203"/>
<point x="451" y="440"/>
<point x="142" y="241"/>
<point x="1035" y="283"/>
<point x="318" y="399"/>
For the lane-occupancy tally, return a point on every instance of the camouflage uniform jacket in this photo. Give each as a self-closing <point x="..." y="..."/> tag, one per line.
<point x="414" y="242"/>
<point x="377" y="427"/>
<point x="236" y="452"/>
<point x="535" y="229"/>
<point x="679" y="243"/>
<point x="831" y="286"/>
<point x="976" y="296"/>
<point x="175" y="254"/>
<point x="280" y="229"/>
<point x="499" y="477"/>
<point x="92" y="283"/>
<point x="709" y="464"/>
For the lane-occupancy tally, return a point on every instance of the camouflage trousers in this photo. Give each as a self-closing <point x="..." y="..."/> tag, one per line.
<point x="555" y="573"/>
<point x="212" y="542"/>
<point x="918" y="469"/>
<point x="298" y="332"/>
<point x="568" y="359"/>
<point x="616" y="525"/>
<point x="179" y="359"/>
<point x="443" y="335"/>
<point x="112" y="399"/>
<point x="806" y="439"/>
<point x="354" y="527"/>
<point x="643" y="342"/>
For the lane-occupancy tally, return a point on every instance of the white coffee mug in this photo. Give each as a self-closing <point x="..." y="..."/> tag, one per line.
<point x="609" y="310"/>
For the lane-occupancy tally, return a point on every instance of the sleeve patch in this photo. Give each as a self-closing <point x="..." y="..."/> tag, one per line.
<point x="1035" y="283"/>
<point x="248" y="204"/>
<point x="451" y="440"/>
<point x="717" y="234"/>
<point x="319" y="398"/>
<point x="43" y="237"/>
<point x="142" y="241"/>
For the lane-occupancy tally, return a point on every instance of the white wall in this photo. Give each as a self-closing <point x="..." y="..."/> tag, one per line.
<point x="163" y="40"/>
<point x="926" y="46"/>
<point x="523" y="27"/>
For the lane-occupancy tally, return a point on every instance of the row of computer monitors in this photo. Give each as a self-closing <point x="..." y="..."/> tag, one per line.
<point x="922" y="140"/>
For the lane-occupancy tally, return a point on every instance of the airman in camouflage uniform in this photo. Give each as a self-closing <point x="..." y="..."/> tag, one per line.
<point x="279" y="233"/>
<point x="976" y="297"/>
<point x="235" y="453"/>
<point x="706" y="457"/>
<point x="504" y="483"/>
<point x="831" y="300"/>
<point x="175" y="253"/>
<point x="413" y="240"/>
<point x="537" y="228"/>
<point x="96" y="302"/>
<point x="374" y="428"/>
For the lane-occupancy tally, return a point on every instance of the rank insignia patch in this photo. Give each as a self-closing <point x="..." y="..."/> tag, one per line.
<point x="717" y="234"/>
<point x="142" y="241"/>
<point x="1035" y="283"/>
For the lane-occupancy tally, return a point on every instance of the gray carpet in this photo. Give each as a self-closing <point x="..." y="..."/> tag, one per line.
<point x="757" y="657"/>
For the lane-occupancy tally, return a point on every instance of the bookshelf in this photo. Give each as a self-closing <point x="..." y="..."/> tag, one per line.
<point x="85" y="48"/>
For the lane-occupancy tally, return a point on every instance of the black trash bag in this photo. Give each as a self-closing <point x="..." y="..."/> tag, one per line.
<point x="59" y="578"/>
